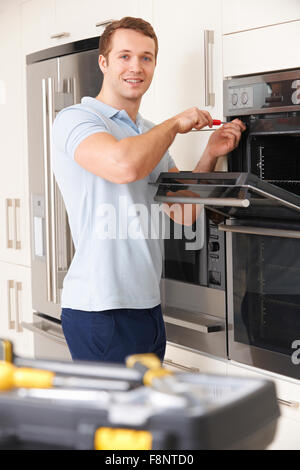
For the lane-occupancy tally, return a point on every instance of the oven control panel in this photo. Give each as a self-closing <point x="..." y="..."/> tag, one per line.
<point x="240" y="97"/>
<point x="261" y="94"/>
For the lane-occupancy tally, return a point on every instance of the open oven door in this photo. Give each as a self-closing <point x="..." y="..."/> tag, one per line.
<point x="236" y="195"/>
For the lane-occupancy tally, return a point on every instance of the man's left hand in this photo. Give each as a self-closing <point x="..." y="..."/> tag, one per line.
<point x="226" y="139"/>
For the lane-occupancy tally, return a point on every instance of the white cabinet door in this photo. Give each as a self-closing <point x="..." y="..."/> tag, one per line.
<point x="16" y="306"/>
<point x="262" y="50"/>
<point x="180" y="74"/>
<point x="38" y="23"/>
<point x="288" y="393"/>
<point x="239" y="15"/>
<point x="14" y="240"/>
<point x="80" y="19"/>
<point x="181" y="359"/>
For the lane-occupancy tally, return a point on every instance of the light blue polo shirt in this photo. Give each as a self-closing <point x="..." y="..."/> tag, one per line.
<point x="118" y="261"/>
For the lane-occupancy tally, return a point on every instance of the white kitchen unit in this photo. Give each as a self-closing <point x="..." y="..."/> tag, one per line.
<point x="288" y="393"/>
<point x="16" y="306"/>
<point x="261" y="50"/>
<point x="239" y="15"/>
<point x="14" y="233"/>
<point x="64" y="21"/>
<point x="178" y="358"/>
<point x="189" y="35"/>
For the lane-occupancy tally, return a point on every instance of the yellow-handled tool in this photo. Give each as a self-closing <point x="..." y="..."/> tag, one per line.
<point x="149" y="365"/>
<point x="11" y="377"/>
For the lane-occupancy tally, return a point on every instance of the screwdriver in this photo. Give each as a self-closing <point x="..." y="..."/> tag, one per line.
<point x="216" y="122"/>
<point x="23" y="377"/>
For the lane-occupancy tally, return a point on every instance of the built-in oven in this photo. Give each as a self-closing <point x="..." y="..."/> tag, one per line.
<point x="193" y="285"/>
<point x="263" y="253"/>
<point x="256" y="205"/>
<point x="261" y="222"/>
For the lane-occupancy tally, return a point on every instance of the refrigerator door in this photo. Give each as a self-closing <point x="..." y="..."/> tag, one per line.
<point x="51" y="86"/>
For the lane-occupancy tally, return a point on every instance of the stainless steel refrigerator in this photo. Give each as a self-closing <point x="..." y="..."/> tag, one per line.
<point x="56" y="78"/>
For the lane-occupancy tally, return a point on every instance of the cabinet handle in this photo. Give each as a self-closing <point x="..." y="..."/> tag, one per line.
<point x="12" y="242"/>
<point x="289" y="403"/>
<point x="9" y="241"/>
<point x="18" y="288"/>
<point x="208" y="67"/>
<point x="103" y="23"/>
<point x="14" y="324"/>
<point x="11" y="323"/>
<point x="180" y="366"/>
<point x="59" y="35"/>
<point x="16" y="205"/>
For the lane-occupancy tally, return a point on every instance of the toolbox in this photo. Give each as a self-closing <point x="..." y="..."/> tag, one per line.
<point x="137" y="406"/>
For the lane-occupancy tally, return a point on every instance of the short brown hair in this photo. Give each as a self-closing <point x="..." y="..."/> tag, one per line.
<point x="128" y="22"/>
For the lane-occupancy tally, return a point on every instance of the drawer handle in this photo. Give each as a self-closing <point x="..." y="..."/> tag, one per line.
<point x="180" y="366"/>
<point x="289" y="403"/>
<point x="59" y="35"/>
<point x="103" y="23"/>
<point x="202" y="328"/>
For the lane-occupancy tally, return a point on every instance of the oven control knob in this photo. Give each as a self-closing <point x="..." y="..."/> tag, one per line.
<point x="213" y="246"/>
<point x="244" y="97"/>
<point x="234" y="99"/>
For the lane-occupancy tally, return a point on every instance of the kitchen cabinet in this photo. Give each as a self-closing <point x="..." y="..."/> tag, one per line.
<point x="240" y="16"/>
<point x="14" y="217"/>
<point x="261" y="50"/>
<point x="181" y="359"/>
<point x="180" y="79"/>
<point x="16" y="306"/>
<point x="64" y="21"/>
<point x="288" y="393"/>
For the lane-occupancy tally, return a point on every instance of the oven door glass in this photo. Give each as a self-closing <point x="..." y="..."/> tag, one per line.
<point x="265" y="293"/>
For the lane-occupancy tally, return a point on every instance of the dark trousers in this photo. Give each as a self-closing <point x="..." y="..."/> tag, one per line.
<point x="111" y="335"/>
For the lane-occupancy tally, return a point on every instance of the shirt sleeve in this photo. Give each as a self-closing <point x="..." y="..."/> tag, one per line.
<point x="72" y="125"/>
<point x="171" y="163"/>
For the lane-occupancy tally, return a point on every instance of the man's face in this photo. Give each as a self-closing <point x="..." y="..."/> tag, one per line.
<point x="131" y="63"/>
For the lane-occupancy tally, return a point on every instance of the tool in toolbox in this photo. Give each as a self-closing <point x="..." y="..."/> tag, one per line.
<point x="82" y="374"/>
<point x="160" y="409"/>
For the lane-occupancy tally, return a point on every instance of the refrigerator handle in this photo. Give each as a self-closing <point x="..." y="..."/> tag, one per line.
<point x="47" y="209"/>
<point x="49" y="193"/>
<point x="52" y="194"/>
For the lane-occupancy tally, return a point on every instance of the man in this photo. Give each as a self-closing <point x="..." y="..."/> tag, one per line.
<point x="105" y="154"/>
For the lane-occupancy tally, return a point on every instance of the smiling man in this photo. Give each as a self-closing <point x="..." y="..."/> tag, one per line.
<point x="105" y="153"/>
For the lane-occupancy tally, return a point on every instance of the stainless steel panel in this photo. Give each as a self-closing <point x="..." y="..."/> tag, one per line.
<point x="51" y="86"/>
<point x="49" y="341"/>
<point x="213" y="343"/>
<point x="195" y="316"/>
<point x="196" y="299"/>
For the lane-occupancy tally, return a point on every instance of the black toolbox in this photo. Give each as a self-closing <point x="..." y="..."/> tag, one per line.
<point x="179" y="411"/>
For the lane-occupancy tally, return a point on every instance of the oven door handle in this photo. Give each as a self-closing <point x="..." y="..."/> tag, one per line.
<point x="270" y="232"/>
<point x="210" y="201"/>
<point x="201" y="327"/>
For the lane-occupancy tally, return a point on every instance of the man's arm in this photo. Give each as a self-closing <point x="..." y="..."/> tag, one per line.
<point x="134" y="158"/>
<point x="221" y="142"/>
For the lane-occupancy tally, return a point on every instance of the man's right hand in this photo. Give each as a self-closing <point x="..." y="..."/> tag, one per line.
<point x="192" y="118"/>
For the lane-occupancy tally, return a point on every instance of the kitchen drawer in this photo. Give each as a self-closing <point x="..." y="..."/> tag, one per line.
<point x="288" y="390"/>
<point x="182" y="359"/>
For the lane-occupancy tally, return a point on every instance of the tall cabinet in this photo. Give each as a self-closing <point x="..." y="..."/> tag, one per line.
<point x="15" y="291"/>
<point x="189" y="68"/>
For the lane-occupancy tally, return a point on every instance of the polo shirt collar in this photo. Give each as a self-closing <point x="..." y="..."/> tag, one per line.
<point x="110" y="112"/>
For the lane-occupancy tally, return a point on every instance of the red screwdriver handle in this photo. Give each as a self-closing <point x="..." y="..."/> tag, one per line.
<point x="217" y="122"/>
